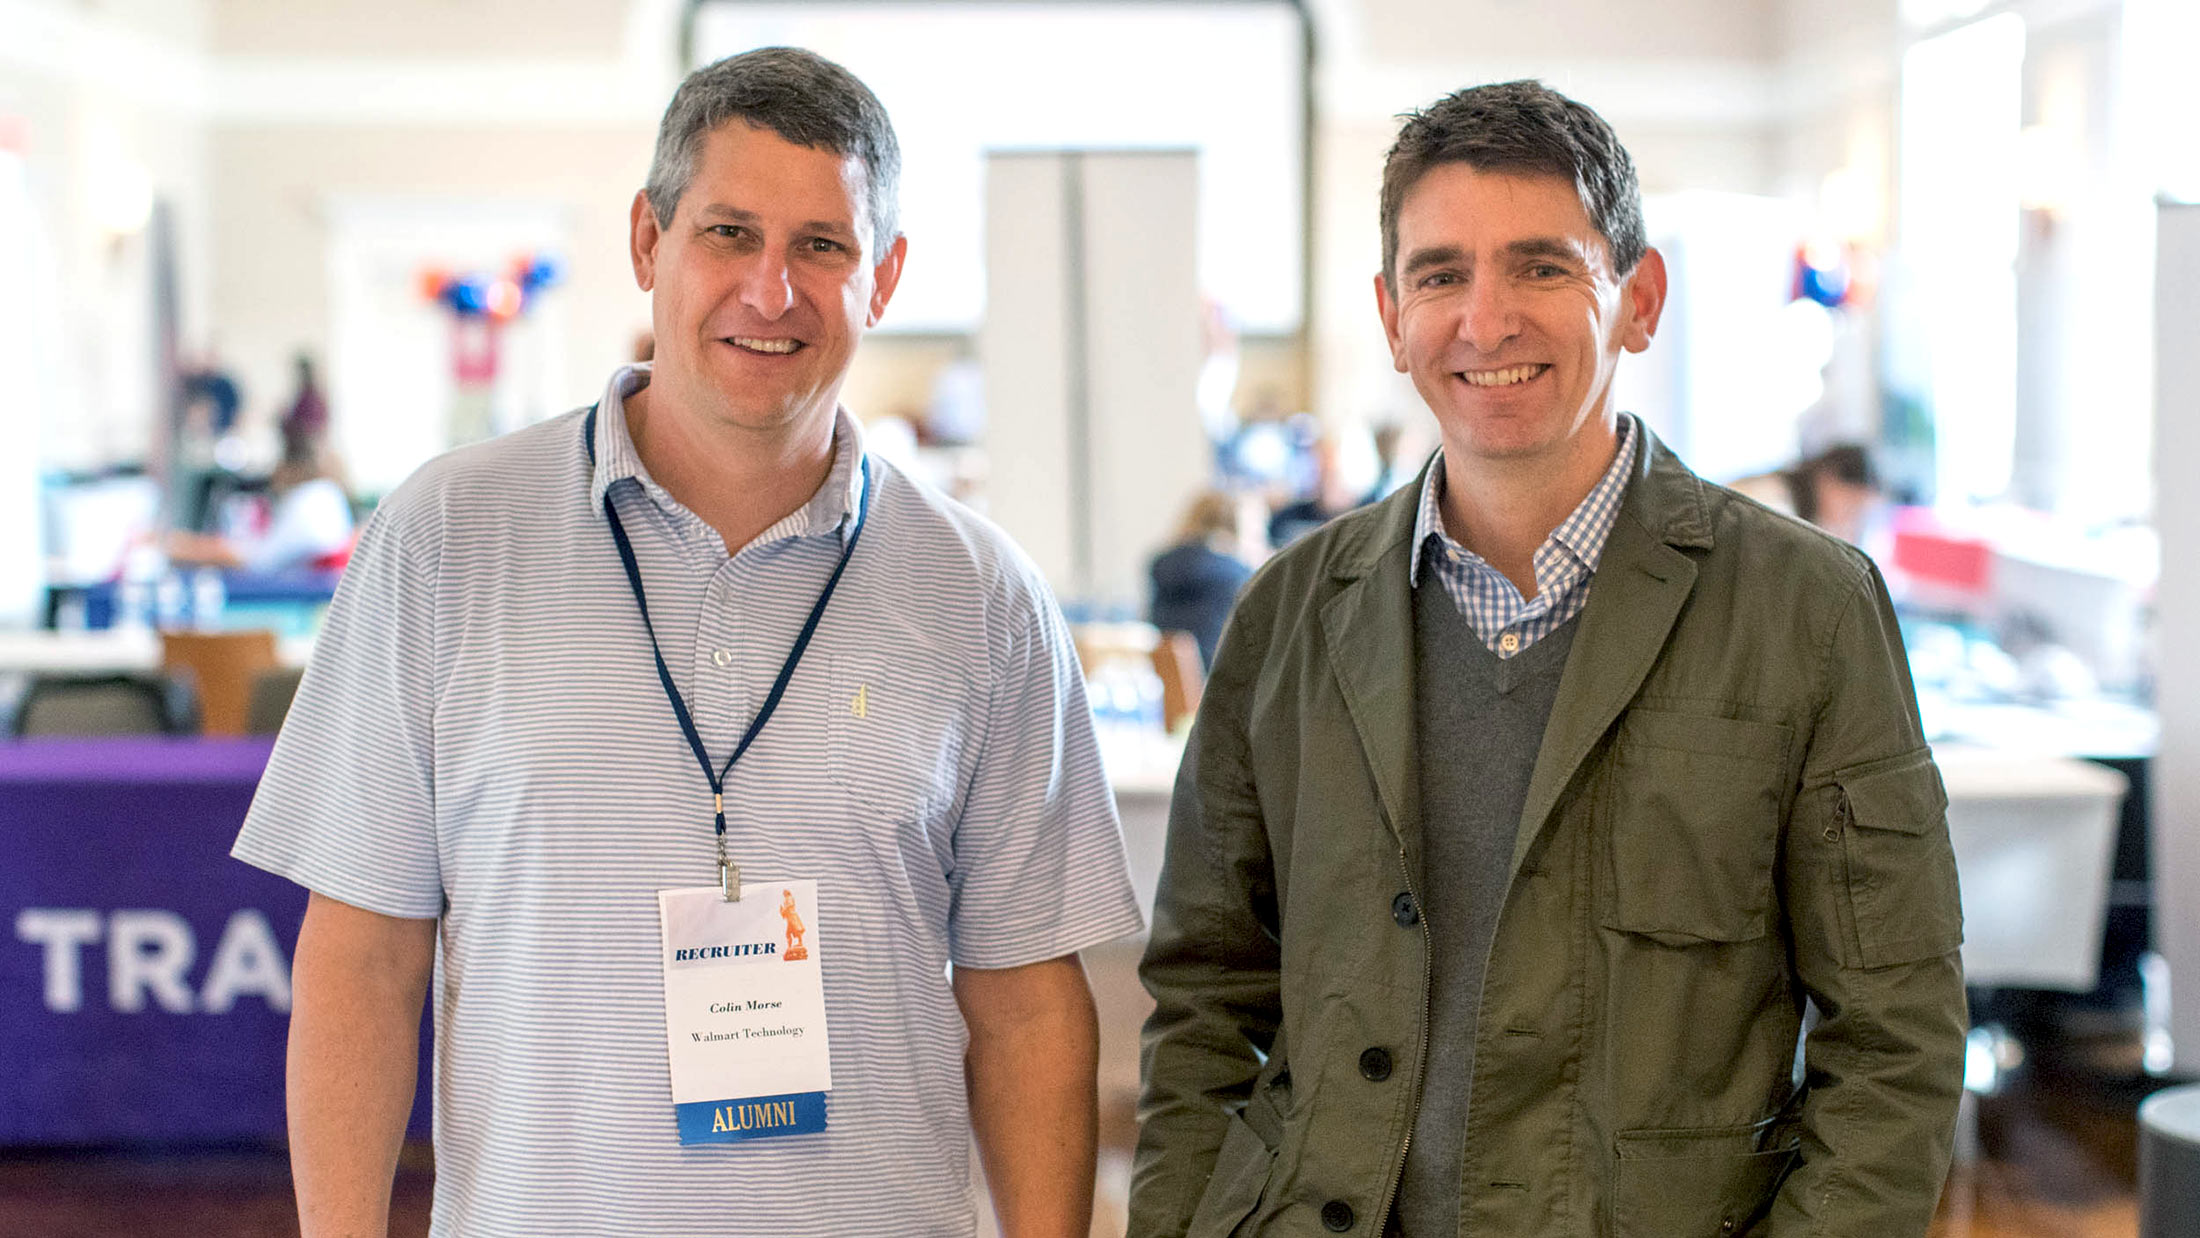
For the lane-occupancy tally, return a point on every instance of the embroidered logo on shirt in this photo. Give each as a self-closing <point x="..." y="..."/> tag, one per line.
<point x="861" y="706"/>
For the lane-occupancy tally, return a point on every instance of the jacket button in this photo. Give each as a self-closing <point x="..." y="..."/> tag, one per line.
<point x="1336" y="1216"/>
<point x="1375" y="1065"/>
<point x="1403" y="910"/>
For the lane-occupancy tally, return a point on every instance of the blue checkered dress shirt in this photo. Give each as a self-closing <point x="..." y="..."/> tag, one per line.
<point x="1564" y="563"/>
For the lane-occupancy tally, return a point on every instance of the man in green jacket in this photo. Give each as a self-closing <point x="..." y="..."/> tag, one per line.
<point x="1527" y="808"/>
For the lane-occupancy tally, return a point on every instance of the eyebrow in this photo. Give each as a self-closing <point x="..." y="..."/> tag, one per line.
<point x="1531" y="247"/>
<point x="1544" y="247"/>
<point x="739" y="216"/>
<point x="1431" y="256"/>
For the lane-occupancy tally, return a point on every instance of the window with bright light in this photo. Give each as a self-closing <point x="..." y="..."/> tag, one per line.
<point x="2159" y="38"/>
<point x="962" y="79"/>
<point x="1962" y="109"/>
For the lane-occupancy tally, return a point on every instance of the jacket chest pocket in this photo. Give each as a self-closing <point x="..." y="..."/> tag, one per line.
<point x="1694" y="823"/>
<point x="895" y="727"/>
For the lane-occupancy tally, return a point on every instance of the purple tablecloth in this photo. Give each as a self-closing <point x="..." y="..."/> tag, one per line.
<point x="144" y="987"/>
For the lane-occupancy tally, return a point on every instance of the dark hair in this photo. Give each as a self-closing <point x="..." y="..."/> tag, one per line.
<point x="1527" y="127"/>
<point x="797" y="94"/>
<point x="1847" y="463"/>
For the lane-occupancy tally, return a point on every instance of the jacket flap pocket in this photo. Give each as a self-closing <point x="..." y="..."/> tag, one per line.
<point x="1693" y="824"/>
<point x="1686" y="1182"/>
<point x="1901" y="870"/>
<point x="1906" y="797"/>
<point x="1707" y="734"/>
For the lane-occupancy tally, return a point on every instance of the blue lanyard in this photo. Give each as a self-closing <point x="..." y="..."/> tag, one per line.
<point x="729" y="874"/>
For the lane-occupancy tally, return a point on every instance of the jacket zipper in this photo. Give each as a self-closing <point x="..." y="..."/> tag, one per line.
<point x="1420" y="1056"/>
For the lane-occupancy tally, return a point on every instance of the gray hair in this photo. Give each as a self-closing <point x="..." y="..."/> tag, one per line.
<point x="1521" y="126"/>
<point x="795" y="93"/>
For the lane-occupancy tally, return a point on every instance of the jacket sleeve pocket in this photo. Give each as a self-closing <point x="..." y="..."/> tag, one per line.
<point x="1710" y="1182"/>
<point x="1901" y="870"/>
<point x="1694" y="825"/>
<point x="1241" y="1172"/>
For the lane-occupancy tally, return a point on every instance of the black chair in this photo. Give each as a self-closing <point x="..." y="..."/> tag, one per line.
<point x="92" y="705"/>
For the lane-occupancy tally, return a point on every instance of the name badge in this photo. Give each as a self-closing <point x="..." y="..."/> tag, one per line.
<point x="745" y="1011"/>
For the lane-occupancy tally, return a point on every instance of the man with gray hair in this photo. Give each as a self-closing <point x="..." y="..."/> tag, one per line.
<point x="738" y="792"/>
<point x="1527" y="808"/>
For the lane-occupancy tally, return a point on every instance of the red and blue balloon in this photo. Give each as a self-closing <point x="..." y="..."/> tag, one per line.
<point x="497" y="298"/>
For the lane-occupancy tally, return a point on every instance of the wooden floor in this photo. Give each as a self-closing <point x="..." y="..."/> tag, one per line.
<point x="2058" y="1153"/>
<point x="2060" y="1143"/>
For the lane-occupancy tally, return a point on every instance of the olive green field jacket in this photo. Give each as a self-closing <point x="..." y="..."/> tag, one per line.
<point x="1733" y="809"/>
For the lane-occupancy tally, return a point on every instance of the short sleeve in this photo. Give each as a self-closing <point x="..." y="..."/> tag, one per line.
<point x="1039" y="870"/>
<point x="347" y="805"/>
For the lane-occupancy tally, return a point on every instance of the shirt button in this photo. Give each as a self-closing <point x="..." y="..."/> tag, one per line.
<point x="1509" y="643"/>
<point x="1375" y="1065"/>
<point x="1402" y="910"/>
<point x="1336" y="1216"/>
<point x="721" y="657"/>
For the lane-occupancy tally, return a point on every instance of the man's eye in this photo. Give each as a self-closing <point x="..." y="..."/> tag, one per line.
<point x="1439" y="279"/>
<point x="1546" y="270"/>
<point x="825" y="245"/>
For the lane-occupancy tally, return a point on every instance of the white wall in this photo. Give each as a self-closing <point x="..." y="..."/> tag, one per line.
<point x="106" y="101"/>
<point x="1692" y="87"/>
<point x="2176" y="771"/>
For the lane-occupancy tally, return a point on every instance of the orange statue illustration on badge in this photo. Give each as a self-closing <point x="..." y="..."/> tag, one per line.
<point x="796" y="951"/>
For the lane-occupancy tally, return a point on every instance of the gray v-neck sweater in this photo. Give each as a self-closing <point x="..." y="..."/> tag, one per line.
<point x="1479" y="720"/>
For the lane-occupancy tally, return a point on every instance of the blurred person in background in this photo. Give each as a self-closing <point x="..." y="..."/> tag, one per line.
<point x="1525" y="809"/>
<point x="1196" y="581"/>
<point x="309" y="521"/>
<point x="207" y="406"/>
<point x="1392" y="468"/>
<point x="1835" y="490"/>
<point x="1330" y="493"/>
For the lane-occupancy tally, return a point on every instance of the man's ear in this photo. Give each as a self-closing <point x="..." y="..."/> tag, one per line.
<point x="642" y="240"/>
<point x="1386" y="306"/>
<point x="1644" y="300"/>
<point x="885" y="277"/>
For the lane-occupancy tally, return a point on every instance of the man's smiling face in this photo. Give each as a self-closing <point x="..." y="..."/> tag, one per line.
<point x="763" y="282"/>
<point x="1508" y="316"/>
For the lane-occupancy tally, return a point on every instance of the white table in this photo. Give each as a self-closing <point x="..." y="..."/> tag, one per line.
<point x="112" y="651"/>
<point x="1142" y="769"/>
<point x="2034" y="836"/>
<point x="2035" y="839"/>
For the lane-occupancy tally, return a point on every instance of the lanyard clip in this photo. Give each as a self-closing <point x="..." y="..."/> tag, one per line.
<point x="729" y="877"/>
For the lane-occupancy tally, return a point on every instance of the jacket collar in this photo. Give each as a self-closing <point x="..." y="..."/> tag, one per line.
<point x="1664" y="498"/>
<point x="1642" y="581"/>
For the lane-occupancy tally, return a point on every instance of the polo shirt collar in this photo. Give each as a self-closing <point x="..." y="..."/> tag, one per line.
<point x="833" y="507"/>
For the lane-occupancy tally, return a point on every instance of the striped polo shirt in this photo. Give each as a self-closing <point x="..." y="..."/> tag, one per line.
<point x="1504" y="620"/>
<point x="482" y="738"/>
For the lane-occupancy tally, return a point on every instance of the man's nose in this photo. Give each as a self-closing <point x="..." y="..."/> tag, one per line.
<point x="767" y="285"/>
<point x="1489" y="316"/>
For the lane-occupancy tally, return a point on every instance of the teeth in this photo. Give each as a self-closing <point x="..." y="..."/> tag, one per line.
<point x="1502" y="378"/>
<point x="755" y="345"/>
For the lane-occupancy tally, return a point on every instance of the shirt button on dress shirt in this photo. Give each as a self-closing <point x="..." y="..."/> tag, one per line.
<point x="721" y="657"/>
